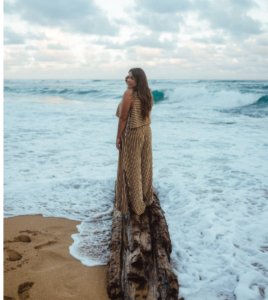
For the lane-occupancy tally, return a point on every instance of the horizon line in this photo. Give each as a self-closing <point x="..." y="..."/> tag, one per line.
<point x="124" y="80"/>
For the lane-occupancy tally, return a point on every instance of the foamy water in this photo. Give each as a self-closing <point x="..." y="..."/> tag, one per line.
<point x="210" y="164"/>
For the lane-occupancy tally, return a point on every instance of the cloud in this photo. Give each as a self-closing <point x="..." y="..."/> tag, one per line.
<point x="160" y="22"/>
<point x="140" y="39"/>
<point x="12" y="38"/>
<point x="214" y="39"/>
<point x="30" y="48"/>
<point x="161" y="16"/>
<point x="56" y="47"/>
<point x="186" y="38"/>
<point x="58" y="58"/>
<point x="16" y="59"/>
<point x="230" y="16"/>
<point x="164" y="7"/>
<point x="152" y="41"/>
<point x="263" y="42"/>
<point x="82" y="16"/>
<point x="144" y="54"/>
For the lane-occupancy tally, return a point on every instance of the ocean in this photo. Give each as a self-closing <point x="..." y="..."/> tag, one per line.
<point x="210" y="168"/>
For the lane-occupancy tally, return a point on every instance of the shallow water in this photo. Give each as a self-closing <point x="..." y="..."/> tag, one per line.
<point x="210" y="166"/>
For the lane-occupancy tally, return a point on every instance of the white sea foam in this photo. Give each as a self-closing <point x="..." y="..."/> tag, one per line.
<point x="210" y="169"/>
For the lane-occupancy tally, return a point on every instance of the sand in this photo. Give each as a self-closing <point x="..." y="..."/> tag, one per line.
<point x="42" y="267"/>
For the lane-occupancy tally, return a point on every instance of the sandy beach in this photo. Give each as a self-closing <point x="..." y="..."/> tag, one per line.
<point x="37" y="263"/>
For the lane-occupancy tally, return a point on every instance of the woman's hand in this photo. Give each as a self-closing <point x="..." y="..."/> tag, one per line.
<point x="119" y="144"/>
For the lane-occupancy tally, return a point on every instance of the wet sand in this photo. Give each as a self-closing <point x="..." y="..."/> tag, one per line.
<point x="37" y="263"/>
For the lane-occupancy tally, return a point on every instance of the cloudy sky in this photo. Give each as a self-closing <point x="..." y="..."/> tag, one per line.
<point x="103" y="39"/>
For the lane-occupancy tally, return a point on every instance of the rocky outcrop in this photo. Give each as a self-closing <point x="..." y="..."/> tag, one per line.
<point x="139" y="260"/>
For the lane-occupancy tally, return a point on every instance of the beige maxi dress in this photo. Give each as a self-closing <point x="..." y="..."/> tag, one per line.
<point x="134" y="184"/>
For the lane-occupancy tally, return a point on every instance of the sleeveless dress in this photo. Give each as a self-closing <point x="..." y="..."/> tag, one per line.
<point x="134" y="184"/>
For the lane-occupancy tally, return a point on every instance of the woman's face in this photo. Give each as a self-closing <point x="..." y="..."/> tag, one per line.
<point x="131" y="83"/>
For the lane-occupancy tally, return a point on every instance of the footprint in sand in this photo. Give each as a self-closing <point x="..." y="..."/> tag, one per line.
<point x="35" y="232"/>
<point x="22" y="238"/>
<point x="49" y="243"/>
<point x="24" y="289"/>
<point x="8" y="241"/>
<point x="13" y="255"/>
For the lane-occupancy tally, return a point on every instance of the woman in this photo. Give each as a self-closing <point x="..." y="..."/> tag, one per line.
<point x="134" y="184"/>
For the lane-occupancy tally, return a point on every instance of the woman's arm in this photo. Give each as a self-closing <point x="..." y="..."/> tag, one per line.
<point x="126" y="103"/>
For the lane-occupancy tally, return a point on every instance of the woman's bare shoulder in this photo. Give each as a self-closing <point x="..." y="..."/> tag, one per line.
<point x="129" y="94"/>
<point x="129" y="97"/>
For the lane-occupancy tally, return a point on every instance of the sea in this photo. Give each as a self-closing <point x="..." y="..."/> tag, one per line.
<point x="210" y="169"/>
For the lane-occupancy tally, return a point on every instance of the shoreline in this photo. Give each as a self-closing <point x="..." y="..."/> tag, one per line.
<point x="38" y="265"/>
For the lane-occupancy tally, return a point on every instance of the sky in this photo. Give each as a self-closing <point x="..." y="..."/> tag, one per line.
<point x="103" y="39"/>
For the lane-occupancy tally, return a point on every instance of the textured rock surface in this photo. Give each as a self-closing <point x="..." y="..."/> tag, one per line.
<point x="139" y="261"/>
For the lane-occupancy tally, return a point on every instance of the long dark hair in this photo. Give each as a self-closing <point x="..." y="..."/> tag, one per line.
<point x="143" y="91"/>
